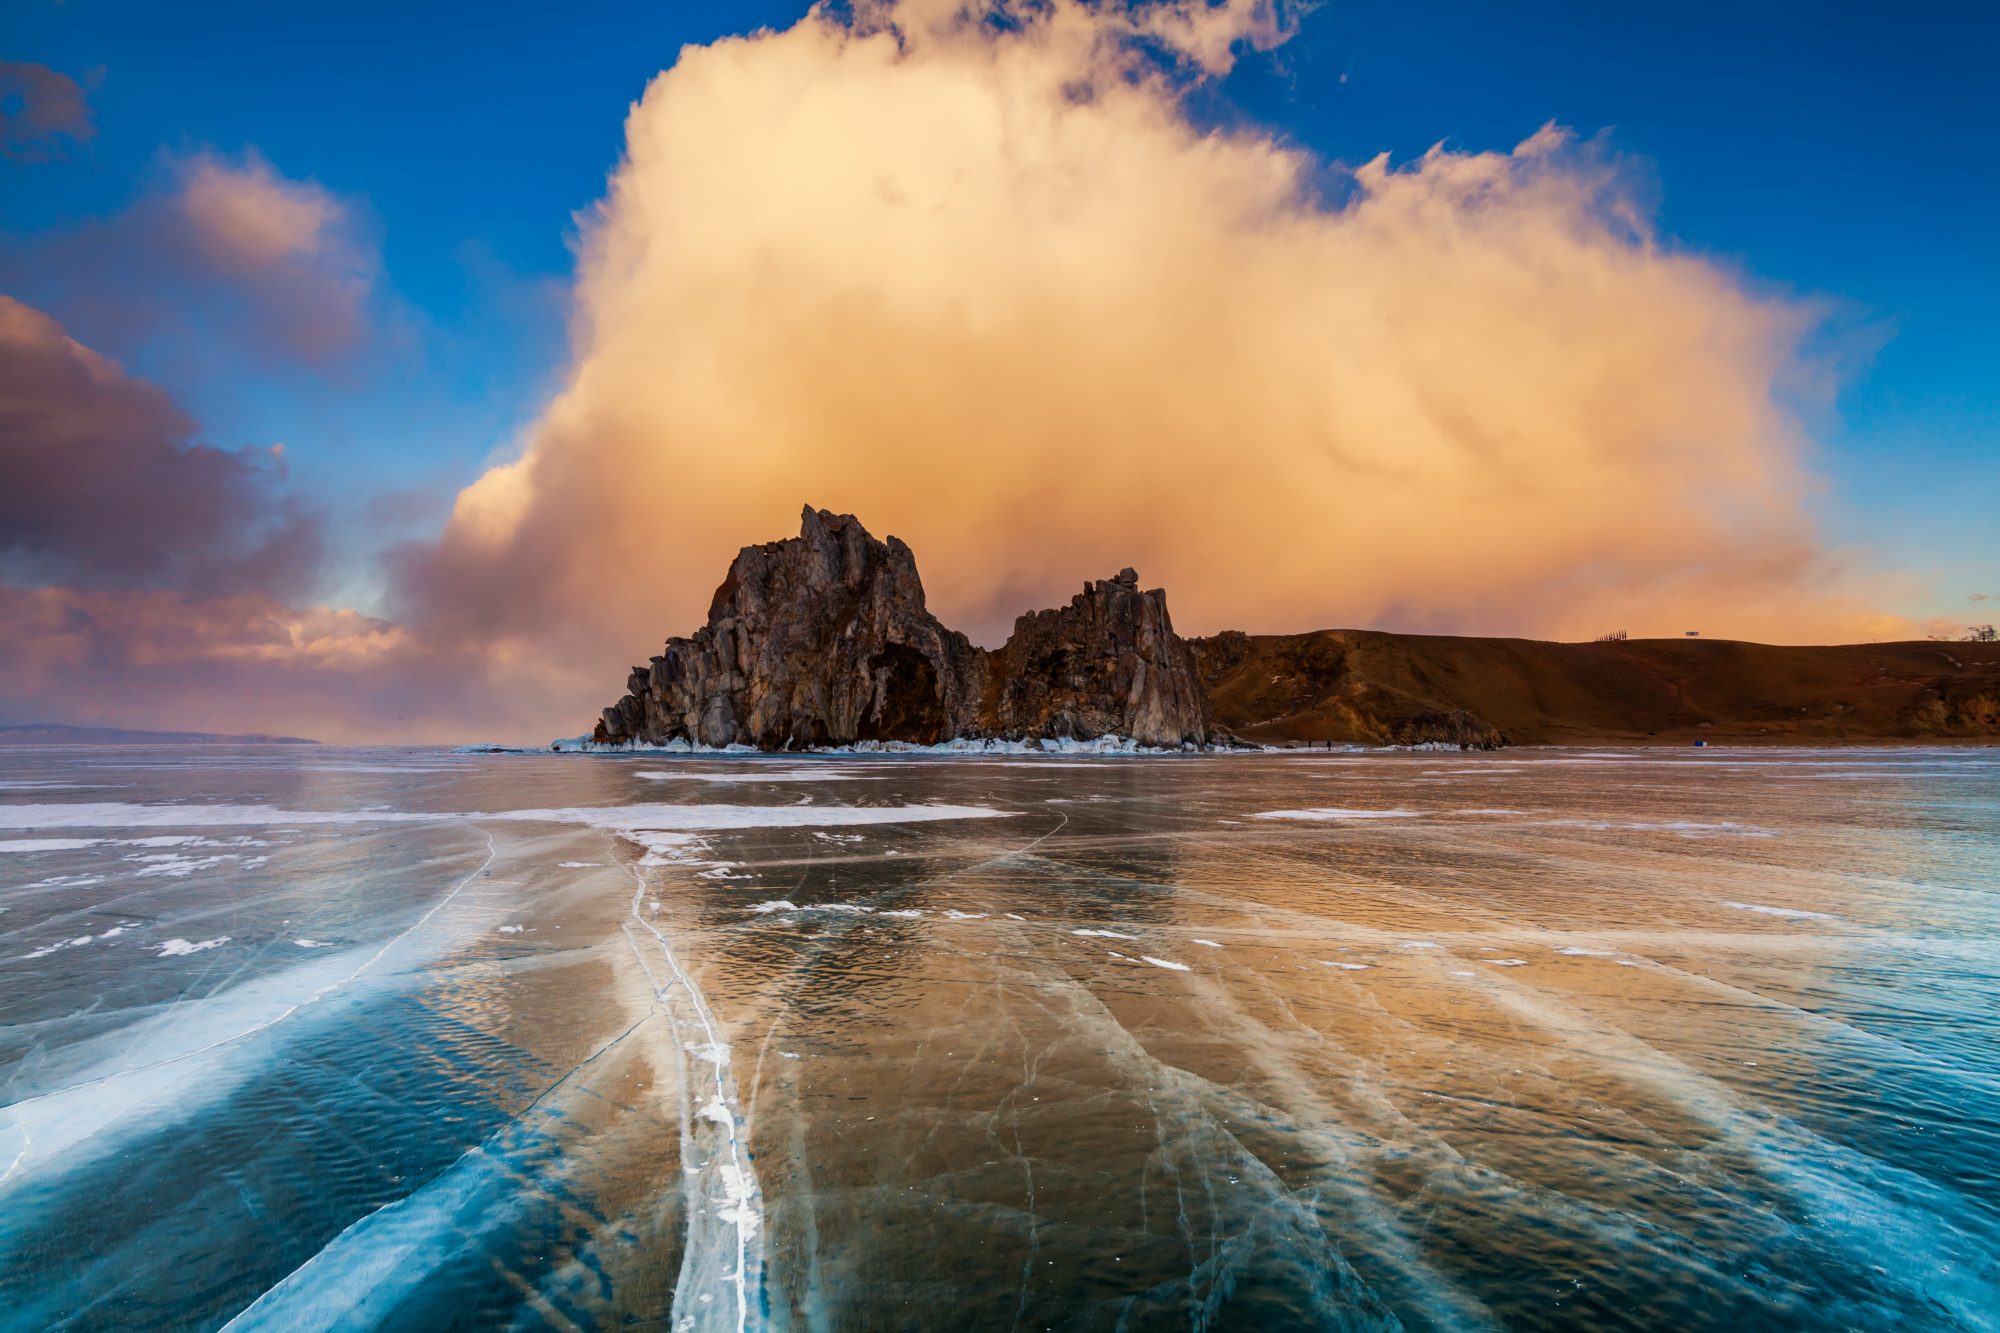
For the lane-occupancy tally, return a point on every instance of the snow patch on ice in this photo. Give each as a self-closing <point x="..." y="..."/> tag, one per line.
<point x="1790" y="913"/>
<point x="1334" y="812"/>
<point x="67" y="882"/>
<point x="60" y="945"/>
<point x="180" y="948"/>
<point x="755" y="773"/>
<point x="174" y="865"/>
<point x="628" y="820"/>
<point x="1684" y="828"/>
<point x="47" y="844"/>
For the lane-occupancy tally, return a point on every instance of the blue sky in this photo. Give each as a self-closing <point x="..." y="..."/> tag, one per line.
<point x="1833" y="151"/>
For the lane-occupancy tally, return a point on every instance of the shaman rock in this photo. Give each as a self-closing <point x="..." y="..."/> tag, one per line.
<point x="824" y="639"/>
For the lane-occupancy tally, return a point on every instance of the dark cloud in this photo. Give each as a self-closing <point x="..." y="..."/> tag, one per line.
<point x="101" y="483"/>
<point x="41" y="112"/>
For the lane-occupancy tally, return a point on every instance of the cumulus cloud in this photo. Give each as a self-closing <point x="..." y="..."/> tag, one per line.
<point x="225" y="247"/>
<point x="975" y="275"/>
<point x="102" y="483"/>
<point x="42" y="112"/>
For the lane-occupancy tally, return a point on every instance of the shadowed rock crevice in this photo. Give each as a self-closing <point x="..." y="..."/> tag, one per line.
<point x="910" y="702"/>
<point x="824" y="639"/>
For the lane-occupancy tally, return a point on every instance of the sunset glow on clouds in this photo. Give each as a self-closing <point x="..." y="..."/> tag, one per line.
<point x="998" y="296"/>
<point x="990" y="287"/>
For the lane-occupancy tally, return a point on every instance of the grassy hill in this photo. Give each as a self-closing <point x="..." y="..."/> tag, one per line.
<point x="1371" y="687"/>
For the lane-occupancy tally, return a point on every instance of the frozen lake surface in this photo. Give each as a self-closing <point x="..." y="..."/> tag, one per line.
<point x="312" y="1038"/>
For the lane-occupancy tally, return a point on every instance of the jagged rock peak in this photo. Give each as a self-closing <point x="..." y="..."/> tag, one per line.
<point x="824" y="639"/>
<point x="819" y="639"/>
<point x="1109" y="663"/>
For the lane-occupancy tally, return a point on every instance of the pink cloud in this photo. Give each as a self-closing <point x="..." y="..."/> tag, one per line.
<point x="246" y="218"/>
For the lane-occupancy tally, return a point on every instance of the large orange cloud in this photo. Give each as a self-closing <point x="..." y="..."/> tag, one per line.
<point x="986" y="285"/>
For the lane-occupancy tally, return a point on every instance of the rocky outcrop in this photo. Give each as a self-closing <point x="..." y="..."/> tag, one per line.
<point x="1107" y="664"/>
<point x="824" y="639"/>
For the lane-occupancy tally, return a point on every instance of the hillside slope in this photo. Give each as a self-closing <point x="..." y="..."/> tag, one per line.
<point x="1371" y="687"/>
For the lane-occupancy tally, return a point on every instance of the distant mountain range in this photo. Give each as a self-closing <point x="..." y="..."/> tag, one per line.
<point x="56" y="733"/>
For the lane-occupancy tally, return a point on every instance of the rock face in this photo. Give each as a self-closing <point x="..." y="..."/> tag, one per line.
<point x="824" y="639"/>
<point x="1107" y="664"/>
